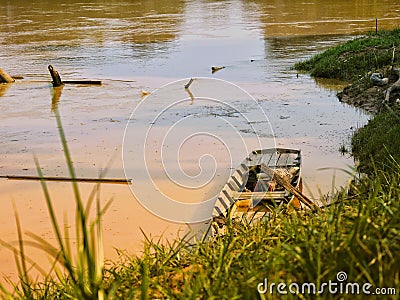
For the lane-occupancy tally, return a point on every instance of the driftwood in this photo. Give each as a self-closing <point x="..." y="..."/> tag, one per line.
<point x="55" y="76"/>
<point x="291" y="189"/>
<point x="58" y="82"/>
<point x="189" y="83"/>
<point x="394" y="87"/>
<point x="215" y="69"/>
<point x="92" y="180"/>
<point x="92" y="82"/>
<point x="5" y="78"/>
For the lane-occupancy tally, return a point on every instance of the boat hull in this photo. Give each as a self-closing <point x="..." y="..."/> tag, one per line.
<point x="249" y="192"/>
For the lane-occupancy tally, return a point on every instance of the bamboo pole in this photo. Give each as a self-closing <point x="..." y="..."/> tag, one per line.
<point x="290" y="188"/>
<point x="68" y="179"/>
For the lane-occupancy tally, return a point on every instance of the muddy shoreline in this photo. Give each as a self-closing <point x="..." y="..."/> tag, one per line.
<point x="363" y="94"/>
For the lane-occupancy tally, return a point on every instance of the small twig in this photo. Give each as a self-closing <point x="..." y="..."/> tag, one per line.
<point x="394" y="50"/>
<point x="189" y="83"/>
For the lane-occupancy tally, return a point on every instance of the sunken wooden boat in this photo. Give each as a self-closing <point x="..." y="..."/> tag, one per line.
<point x="253" y="190"/>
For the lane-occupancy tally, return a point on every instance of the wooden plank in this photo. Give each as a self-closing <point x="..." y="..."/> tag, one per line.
<point x="46" y="178"/>
<point x="91" y="82"/>
<point x="259" y="195"/>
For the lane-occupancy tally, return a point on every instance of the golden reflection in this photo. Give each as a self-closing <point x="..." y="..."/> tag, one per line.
<point x="72" y="23"/>
<point x="314" y="17"/>
<point x="55" y="97"/>
<point x="190" y="95"/>
<point x="3" y="88"/>
<point x="331" y="84"/>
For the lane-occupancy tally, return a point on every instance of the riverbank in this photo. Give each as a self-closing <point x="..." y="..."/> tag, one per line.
<point x="376" y="145"/>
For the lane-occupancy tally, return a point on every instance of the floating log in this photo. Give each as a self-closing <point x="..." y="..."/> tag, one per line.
<point x="17" y="77"/>
<point x="58" y="82"/>
<point x="68" y="179"/>
<point x="55" y="76"/>
<point x="93" y="82"/>
<point x="5" y="78"/>
<point x="290" y="188"/>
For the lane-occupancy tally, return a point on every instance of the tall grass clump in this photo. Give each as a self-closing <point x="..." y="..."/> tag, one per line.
<point x="76" y="273"/>
<point x="356" y="57"/>
<point x="359" y="235"/>
<point x="377" y="144"/>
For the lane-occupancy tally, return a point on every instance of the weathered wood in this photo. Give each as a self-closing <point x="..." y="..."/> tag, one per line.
<point x="92" y="180"/>
<point x="215" y="69"/>
<point x="290" y="188"/>
<point x="259" y="195"/>
<point x="5" y="78"/>
<point x="55" y="76"/>
<point x="189" y="83"/>
<point x="394" y="87"/>
<point x="92" y="82"/>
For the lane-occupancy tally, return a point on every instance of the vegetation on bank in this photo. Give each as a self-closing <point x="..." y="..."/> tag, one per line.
<point x="355" y="58"/>
<point x="377" y="145"/>
<point x="378" y="142"/>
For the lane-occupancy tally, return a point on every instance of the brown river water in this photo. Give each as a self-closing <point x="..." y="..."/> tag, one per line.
<point x="177" y="147"/>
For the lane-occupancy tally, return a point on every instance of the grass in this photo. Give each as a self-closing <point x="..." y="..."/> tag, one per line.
<point x="376" y="144"/>
<point x="360" y="236"/>
<point x="355" y="58"/>
<point x="75" y="274"/>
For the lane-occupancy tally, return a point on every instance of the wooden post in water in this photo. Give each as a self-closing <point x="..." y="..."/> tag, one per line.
<point x="55" y="76"/>
<point x="5" y="78"/>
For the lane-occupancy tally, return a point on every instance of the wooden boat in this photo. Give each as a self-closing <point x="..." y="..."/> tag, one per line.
<point x="252" y="191"/>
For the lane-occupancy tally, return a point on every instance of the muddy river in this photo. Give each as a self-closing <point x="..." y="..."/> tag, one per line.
<point x="173" y="145"/>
